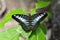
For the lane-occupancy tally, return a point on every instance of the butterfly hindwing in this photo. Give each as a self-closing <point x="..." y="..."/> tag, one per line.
<point x="37" y="18"/>
<point x="23" y="20"/>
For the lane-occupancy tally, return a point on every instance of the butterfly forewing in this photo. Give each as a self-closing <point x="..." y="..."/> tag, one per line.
<point x="37" y="18"/>
<point x="23" y="20"/>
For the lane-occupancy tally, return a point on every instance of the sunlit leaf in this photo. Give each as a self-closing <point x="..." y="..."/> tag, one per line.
<point x="10" y="34"/>
<point x="38" y="35"/>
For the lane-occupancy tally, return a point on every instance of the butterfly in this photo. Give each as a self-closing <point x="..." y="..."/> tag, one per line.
<point x="29" y="22"/>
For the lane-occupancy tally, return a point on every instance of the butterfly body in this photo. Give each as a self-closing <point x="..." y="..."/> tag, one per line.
<point x="29" y="22"/>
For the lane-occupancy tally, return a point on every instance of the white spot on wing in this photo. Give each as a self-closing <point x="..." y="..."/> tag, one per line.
<point x="17" y="16"/>
<point x="37" y="18"/>
<point x="14" y="15"/>
<point x="23" y="20"/>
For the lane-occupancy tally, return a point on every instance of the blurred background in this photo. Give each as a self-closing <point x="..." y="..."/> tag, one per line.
<point x="52" y="24"/>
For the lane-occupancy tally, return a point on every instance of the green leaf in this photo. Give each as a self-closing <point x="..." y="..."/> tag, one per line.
<point x="43" y="28"/>
<point x="33" y="11"/>
<point x="23" y="33"/>
<point x="41" y="4"/>
<point x="37" y="35"/>
<point x="49" y="15"/>
<point x="8" y="16"/>
<point x="10" y="34"/>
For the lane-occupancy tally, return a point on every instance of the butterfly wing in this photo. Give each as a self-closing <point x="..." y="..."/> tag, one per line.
<point x="37" y="18"/>
<point x="28" y="22"/>
<point x="23" y="20"/>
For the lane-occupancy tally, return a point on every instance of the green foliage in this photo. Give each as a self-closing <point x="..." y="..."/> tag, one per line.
<point x="10" y="34"/>
<point x="8" y="17"/>
<point x="38" y="35"/>
<point x="41" y="4"/>
<point x="16" y="32"/>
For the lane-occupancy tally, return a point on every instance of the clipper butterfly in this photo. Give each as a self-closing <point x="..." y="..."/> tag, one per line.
<point x="29" y="22"/>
